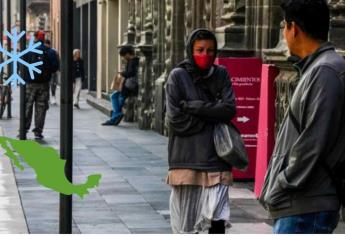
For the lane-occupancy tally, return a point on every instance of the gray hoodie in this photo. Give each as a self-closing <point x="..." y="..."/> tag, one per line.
<point x="195" y="101"/>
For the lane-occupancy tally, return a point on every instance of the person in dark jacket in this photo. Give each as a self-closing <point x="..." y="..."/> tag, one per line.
<point x="198" y="96"/>
<point x="298" y="190"/>
<point x="56" y="65"/>
<point x="37" y="88"/>
<point x="78" y="76"/>
<point x="118" y="97"/>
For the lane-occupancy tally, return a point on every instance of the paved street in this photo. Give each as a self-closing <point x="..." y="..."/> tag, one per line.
<point x="12" y="219"/>
<point x="132" y="196"/>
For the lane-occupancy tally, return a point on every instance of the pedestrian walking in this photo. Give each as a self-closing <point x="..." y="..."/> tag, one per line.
<point x="78" y="76"/>
<point x="198" y="96"/>
<point x="125" y="87"/>
<point x="37" y="89"/>
<point x="54" y="76"/>
<point x="298" y="190"/>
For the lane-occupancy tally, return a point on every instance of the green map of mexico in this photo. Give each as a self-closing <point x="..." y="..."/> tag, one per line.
<point x="46" y="162"/>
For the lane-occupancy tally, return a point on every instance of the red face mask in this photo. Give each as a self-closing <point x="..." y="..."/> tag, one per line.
<point x="204" y="62"/>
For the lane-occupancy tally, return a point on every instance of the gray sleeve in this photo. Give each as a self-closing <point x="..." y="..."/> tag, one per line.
<point x="180" y="123"/>
<point x="319" y="130"/>
<point x="220" y="111"/>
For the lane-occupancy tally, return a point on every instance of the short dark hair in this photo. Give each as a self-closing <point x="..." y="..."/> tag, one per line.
<point x="126" y="49"/>
<point x="312" y="16"/>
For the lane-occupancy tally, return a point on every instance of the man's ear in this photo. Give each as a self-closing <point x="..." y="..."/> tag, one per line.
<point x="295" y="29"/>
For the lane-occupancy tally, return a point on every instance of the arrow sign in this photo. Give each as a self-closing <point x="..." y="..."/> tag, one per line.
<point x="243" y="119"/>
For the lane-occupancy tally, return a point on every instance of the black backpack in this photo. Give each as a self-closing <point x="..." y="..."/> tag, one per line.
<point x="46" y="68"/>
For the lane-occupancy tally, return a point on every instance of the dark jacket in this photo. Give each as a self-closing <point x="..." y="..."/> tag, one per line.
<point x="78" y="69"/>
<point x="49" y="56"/>
<point x="296" y="182"/>
<point x="131" y="71"/>
<point x="194" y="104"/>
<point x="131" y="68"/>
<point x="55" y="62"/>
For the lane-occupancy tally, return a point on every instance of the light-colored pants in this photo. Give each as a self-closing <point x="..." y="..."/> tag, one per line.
<point x="77" y="89"/>
<point x="193" y="208"/>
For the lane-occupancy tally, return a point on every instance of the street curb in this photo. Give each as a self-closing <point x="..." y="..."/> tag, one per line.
<point x="20" y="223"/>
<point x="102" y="105"/>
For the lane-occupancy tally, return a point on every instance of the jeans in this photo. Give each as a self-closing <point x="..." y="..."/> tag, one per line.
<point x="117" y="102"/>
<point x="312" y="223"/>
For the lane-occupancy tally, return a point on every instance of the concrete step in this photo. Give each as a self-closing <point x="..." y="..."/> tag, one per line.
<point x="100" y="104"/>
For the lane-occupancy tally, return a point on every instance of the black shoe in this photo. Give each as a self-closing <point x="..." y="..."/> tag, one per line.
<point x="118" y="120"/>
<point x="18" y="136"/>
<point x="76" y="106"/>
<point x="108" y="123"/>
<point x="38" y="136"/>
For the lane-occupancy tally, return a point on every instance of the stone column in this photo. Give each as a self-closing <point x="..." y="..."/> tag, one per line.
<point x="138" y="19"/>
<point x="337" y="29"/>
<point x="194" y="15"/>
<point x="231" y="36"/>
<point x="101" y="47"/>
<point x="145" y="49"/>
<point x="130" y="39"/>
<point x="226" y="17"/>
<point x="158" y="50"/>
<point x="174" y="49"/>
<point x="188" y="18"/>
<point x="210" y="14"/>
<point x="129" y="36"/>
<point x="262" y="24"/>
<point x="198" y="14"/>
<point x="286" y="81"/>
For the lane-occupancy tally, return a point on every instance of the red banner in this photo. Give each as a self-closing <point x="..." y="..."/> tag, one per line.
<point x="266" y="125"/>
<point x="245" y="75"/>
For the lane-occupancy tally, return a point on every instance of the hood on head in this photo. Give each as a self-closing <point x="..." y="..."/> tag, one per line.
<point x="191" y="40"/>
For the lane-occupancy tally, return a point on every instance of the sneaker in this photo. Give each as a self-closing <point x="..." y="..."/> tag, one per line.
<point x="53" y="101"/>
<point x="38" y="136"/>
<point x="118" y="120"/>
<point x="76" y="106"/>
<point x="107" y="123"/>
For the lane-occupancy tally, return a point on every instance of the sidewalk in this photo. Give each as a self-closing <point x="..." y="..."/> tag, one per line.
<point x="132" y="196"/>
<point x="12" y="219"/>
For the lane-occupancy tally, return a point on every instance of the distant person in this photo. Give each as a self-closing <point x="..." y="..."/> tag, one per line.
<point x="129" y="86"/>
<point x="199" y="95"/>
<point x="299" y="189"/>
<point x="54" y="76"/>
<point x="37" y="89"/>
<point x="78" y="76"/>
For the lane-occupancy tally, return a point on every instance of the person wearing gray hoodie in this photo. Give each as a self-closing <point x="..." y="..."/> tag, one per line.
<point x="198" y="96"/>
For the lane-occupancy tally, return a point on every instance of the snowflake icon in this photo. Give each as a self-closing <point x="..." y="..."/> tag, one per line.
<point x="15" y="57"/>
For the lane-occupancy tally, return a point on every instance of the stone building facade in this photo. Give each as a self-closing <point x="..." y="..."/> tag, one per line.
<point x="158" y="29"/>
<point x="244" y="28"/>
